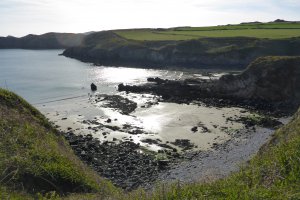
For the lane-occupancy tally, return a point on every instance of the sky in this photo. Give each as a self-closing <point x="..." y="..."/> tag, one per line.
<point x="22" y="17"/>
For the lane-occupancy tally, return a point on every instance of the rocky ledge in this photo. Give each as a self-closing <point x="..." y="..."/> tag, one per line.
<point x="269" y="84"/>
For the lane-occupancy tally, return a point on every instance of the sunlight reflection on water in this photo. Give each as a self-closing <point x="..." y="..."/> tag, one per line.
<point x="121" y="75"/>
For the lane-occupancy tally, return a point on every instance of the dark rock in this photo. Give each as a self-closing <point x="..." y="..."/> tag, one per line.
<point x="150" y="141"/>
<point x="162" y="164"/>
<point x="93" y="87"/>
<point x="183" y="143"/>
<point x="124" y="105"/>
<point x="122" y="163"/>
<point x="194" y="129"/>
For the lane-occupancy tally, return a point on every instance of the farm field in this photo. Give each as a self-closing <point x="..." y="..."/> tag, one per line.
<point x="268" y="30"/>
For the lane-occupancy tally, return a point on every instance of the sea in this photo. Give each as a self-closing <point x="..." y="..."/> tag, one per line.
<point x="42" y="75"/>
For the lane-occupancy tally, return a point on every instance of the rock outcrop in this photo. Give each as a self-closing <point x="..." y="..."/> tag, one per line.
<point x="273" y="79"/>
<point x="93" y="87"/>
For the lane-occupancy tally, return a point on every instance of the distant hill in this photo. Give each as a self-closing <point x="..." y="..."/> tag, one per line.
<point x="45" y="41"/>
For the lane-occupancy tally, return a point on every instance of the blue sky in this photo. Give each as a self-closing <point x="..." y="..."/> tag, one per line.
<point x="21" y="17"/>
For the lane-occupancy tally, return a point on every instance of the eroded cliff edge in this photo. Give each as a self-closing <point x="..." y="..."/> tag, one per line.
<point x="109" y="48"/>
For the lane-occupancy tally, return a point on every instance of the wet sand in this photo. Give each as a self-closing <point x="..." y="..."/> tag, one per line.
<point x="164" y="122"/>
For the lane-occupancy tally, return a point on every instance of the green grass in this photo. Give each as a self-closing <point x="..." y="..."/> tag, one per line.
<point x="257" y="33"/>
<point x="287" y="25"/>
<point x="268" y="30"/>
<point x="35" y="158"/>
<point x="153" y="35"/>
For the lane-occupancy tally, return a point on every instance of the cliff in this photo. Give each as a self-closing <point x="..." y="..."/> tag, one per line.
<point x="109" y="48"/>
<point x="272" y="79"/>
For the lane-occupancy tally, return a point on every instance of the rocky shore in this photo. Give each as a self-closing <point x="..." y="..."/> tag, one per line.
<point x="269" y="84"/>
<point x="127" y="164"/>
<point x="122" y="163"/>
<point x="239" y="114"/>
<point x="130" y="165"/>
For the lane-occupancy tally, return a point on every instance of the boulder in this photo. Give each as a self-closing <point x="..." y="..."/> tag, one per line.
<point x="93" y="87"/>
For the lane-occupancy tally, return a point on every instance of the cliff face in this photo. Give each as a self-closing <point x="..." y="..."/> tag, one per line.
<point x="109" y="48"/>
<point x="273" y="79"/>
<point x="45" y="41"/>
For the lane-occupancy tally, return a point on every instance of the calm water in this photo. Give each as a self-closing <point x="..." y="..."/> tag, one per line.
<point x="41" y="75"/>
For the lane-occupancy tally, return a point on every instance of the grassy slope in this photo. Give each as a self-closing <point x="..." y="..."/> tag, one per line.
<point x="35" y="159"/>
<point x="267" y="30"/>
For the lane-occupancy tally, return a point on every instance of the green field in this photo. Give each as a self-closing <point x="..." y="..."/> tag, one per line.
<point x="269" y="30"/>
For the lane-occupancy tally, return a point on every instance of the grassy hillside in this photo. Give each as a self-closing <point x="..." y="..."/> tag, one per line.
<point x="34" y="158"/>
<point x="256" y="30"/>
